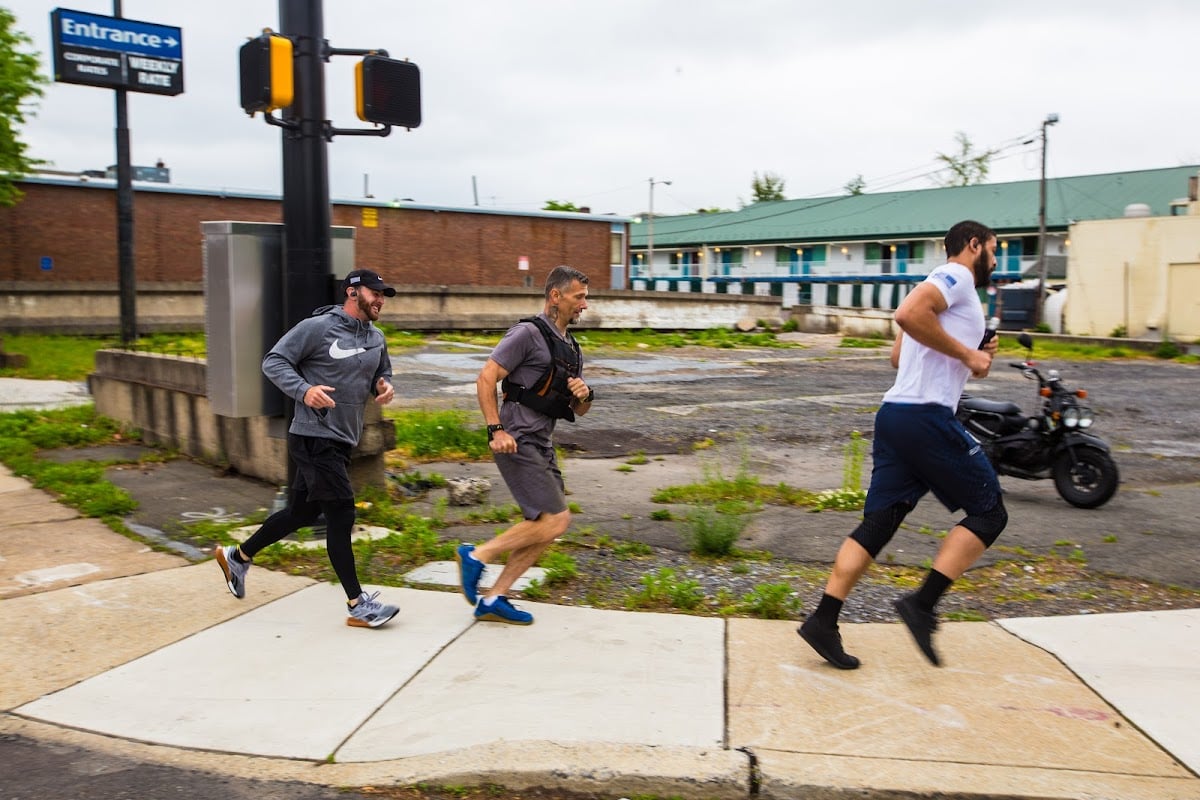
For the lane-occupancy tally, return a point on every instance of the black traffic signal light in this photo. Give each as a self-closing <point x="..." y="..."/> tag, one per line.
<point x="388" y="91"/>
<point x="267" y="72"/>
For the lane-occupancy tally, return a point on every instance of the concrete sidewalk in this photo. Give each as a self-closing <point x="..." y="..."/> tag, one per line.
<point x="109" y="645"/>
<point x="150" y="655"/>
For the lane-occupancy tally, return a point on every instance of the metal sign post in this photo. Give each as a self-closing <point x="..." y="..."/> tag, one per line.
<point x="122" y="55"/>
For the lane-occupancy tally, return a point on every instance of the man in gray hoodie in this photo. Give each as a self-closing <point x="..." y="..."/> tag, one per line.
<point x="335" y="353"/>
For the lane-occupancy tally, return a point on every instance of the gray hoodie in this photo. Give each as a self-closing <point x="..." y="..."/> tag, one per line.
<point x="330" y="348"/>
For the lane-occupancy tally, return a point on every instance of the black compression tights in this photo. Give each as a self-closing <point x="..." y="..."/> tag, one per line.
<point x="339" y="522"/>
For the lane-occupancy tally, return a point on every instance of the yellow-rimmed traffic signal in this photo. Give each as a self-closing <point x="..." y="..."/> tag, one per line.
<point x="267" y="72"/>
<point x="388" y="91"/>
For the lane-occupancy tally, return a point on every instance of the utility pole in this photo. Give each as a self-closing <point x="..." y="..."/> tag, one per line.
<point x="650" y="230"/>
<point x="1050" y="119"/>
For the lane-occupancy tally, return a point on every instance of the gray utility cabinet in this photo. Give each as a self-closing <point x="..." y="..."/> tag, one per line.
<point x="243" y="310"/>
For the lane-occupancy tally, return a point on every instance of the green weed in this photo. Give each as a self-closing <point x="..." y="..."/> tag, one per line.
<point x="504" y="513"/>
<point x="665" y="588"/>
<point x="711" y="533"/>
<point x="559" y="567"/>
<point x="632" y="549"/>
<point x="771" y="601"/>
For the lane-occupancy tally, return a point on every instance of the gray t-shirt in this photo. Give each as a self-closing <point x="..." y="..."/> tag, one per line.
<point x="525" y="356"/>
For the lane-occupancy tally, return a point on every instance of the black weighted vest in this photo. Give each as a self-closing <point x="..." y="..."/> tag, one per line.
<point x="549" y="394"/>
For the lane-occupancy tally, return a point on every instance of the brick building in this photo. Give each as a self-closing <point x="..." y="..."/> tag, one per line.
<point x="64" y="231"/>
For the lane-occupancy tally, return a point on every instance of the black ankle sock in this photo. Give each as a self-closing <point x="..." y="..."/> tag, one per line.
<point x="237" y="556"/>
<point x="828" y="609"/>
<point x="932" y="590"/>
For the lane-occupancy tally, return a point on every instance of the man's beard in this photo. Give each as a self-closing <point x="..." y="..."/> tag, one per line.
<point x="983" y="269"/>
<point x="367" y="309"/>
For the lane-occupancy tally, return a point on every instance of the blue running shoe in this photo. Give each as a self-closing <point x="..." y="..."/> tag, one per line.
<point x="470" y="570"/>
<point x="502" y="611"/>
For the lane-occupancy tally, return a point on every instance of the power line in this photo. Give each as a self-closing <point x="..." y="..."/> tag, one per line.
<point x="926" y="170"/>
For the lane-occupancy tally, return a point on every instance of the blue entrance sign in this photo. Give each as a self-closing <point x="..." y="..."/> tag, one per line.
<point x="116" y="33"/>
<point x="116" y="53"/>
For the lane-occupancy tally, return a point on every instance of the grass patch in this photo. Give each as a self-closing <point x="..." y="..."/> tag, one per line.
<point x="380" y="561"/>
<point x="632" y="549"/>
<point x="559" y="567"/>
<point x="73" y="358"/>
<point x="439" y="435"/>
<point x="400" y="340"/>
<point x="854" y="342"/>
<point x="497" y="514"/>
<point x="769" y="601"/>
<point x="715" y="488"/>
<point x="79" y="484"/>
<point x="710" y="532"/>
<point x="665" y="588"/>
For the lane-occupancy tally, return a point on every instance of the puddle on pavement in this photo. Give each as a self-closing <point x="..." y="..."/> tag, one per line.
<point x="445" y="364"/>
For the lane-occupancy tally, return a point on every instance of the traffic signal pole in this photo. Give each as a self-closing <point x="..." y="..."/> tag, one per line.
<point x="307" y="260"/>
<point x="307" y="256"/>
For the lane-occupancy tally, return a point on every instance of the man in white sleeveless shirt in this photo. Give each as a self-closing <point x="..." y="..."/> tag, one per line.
<point x="920" y="447"/>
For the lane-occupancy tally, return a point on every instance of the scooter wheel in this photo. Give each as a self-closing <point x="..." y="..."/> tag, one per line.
<point x="1086" y="477"/>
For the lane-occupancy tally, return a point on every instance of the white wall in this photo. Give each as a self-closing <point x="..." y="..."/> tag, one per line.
<point x="1139" y="273"/>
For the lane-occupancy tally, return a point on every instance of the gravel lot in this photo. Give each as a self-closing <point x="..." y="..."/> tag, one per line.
<point x="786" y="415"/>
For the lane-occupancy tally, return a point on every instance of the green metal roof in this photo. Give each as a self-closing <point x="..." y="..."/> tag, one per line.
<point x="1008" y="208"/>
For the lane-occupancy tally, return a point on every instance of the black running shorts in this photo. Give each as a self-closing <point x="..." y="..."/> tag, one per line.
<point x="322" y="468"/>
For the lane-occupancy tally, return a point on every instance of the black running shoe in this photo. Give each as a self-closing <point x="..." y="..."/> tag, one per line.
<point x="827" y="641"/>
<point x="921" y="624"/>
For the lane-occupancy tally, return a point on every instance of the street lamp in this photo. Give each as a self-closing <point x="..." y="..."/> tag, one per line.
<point x="650" y="228"/>
<point x="1050" y="119"/>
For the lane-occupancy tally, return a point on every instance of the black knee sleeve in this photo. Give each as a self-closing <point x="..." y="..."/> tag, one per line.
<point x="878" y="527"/>
<point x="988" y="525"/>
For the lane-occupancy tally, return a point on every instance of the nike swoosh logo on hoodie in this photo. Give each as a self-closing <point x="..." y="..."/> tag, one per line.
<point x="336" y="351"/>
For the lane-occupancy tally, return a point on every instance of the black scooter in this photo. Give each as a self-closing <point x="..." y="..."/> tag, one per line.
<point x="1054" y="443"/>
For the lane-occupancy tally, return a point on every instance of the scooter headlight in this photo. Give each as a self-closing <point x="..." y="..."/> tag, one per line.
<point x="1086" y="418"/>
<point x="1070" y="417"/>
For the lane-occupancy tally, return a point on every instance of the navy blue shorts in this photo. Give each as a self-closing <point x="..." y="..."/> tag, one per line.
<point x="923" y="448"/>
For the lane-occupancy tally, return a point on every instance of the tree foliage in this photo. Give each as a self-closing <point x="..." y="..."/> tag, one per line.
<point x="965" y="167"/>
<point x="768" y="187"/>
<point x="20" y="84"/>
<point x="559" y="205"/>
<point x="855" y="185"/>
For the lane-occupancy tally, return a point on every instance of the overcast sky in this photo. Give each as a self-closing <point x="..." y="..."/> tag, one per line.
<point x="585" y="102"/>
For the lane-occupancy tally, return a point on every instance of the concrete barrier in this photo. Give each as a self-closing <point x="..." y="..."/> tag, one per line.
<point x="29" y="306"/>
<point x="166" y="397"/>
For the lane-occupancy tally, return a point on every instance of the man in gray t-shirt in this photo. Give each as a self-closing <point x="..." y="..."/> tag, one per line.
<point x="541" y="370"/>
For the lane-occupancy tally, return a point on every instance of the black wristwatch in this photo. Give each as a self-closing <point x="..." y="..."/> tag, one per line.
<point x="492" y="430"/>
<point x="591" y="396"/>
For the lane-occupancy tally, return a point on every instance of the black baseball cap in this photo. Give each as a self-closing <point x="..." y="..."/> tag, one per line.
<point x="369" y="279"/>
